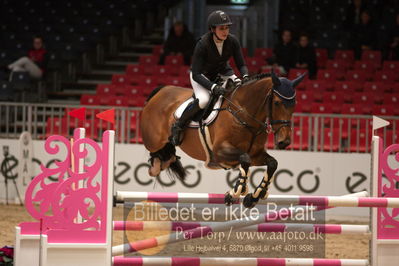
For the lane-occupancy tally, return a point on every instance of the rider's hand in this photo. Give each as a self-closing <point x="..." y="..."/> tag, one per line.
<point x="237" y="82"/>
<point x="219" y="90"/>
<point x="245" y="78"/>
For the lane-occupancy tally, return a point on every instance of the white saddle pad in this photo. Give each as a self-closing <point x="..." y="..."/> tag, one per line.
<point x="211" y="117"/>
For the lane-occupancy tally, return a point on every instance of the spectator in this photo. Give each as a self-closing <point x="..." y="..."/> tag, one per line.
<point x="364" y="34"/>
<point x="306" y="55"/>
<point x="393" y="49"/>
<point x="353" y="14"/>
<point x="284" y="52"/>
<point x="179" y="42"/>
<point x="35" y="62"/>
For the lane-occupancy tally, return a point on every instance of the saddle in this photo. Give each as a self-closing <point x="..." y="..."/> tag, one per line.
<point x="203" y="119"/>
<point x="207" y="115"/>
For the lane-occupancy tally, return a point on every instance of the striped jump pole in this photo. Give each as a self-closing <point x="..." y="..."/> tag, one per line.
<point x="196" y="198"/>
<point x="205" y="198"/>
<point x="209" y="261"/>
<point x="339" y="229"/>
<point x="205" y="230"/>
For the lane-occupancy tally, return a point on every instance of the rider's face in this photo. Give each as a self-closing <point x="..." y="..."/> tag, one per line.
<point x="222" y="32"/>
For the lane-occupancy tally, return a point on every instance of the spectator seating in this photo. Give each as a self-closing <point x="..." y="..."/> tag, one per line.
<point x="69" y="29"/>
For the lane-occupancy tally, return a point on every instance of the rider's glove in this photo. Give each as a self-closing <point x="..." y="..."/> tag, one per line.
<point x="219" y="90"/>
<point x="245" y="78"/>
<point x="237" y="82"/>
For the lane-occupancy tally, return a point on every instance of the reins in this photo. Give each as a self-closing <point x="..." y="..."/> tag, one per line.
<point x="265" y="126"/>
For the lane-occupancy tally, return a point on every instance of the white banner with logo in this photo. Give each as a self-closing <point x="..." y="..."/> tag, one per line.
<point x="299" y="173"/>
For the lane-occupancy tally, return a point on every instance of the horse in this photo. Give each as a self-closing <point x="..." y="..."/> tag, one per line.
<point x="236" y="139"/>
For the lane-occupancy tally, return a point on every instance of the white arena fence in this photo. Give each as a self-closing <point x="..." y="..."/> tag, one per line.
<point x="311" y="132"/>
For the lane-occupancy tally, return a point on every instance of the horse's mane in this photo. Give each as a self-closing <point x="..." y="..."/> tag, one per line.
<point x="256" y="77"/>
<point x="153" y="92"/>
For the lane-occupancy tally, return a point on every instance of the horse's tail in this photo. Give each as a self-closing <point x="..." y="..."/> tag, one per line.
<point x="154" y="91"/>
<point x="177" y="170"/>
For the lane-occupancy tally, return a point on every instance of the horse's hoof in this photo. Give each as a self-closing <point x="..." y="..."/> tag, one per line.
<point x="249" y="202"/>
<point x="228" y="199"/>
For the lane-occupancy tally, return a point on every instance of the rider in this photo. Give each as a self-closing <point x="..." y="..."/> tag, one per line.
<point x="211" y="55"/>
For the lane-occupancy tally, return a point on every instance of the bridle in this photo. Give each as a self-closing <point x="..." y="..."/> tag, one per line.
<point x="282" y="123"/>
<point x="264" y="126"/>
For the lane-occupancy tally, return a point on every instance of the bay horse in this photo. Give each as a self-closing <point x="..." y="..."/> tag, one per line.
<point x="237" y="138"/>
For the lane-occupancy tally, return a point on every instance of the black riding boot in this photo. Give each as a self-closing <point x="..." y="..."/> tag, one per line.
<point x="180" y="124"/>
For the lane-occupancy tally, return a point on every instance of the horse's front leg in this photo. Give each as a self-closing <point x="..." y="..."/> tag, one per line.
<point x="241" y="186"/>
<point x="262" y="190"/>
<point x="231" y="156"/>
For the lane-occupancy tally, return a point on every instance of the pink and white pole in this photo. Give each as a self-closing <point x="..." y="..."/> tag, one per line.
<point x="339" y="229"/>
<point x="205" y="198"/>
<point x="209" y="261"/>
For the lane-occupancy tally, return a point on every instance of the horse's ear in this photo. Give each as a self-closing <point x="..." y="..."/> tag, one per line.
<point x="230" y="84"/>
<point x="298" y="80"/>
<point x="275" y="79"/>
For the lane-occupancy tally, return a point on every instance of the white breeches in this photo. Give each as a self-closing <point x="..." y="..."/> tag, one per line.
<point x="202" y="94"/>
<point x="26" y="64"/>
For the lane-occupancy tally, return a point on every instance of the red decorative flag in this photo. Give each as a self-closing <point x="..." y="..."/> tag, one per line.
<point x="79" y="113"/>
<point x="108" y="115"/>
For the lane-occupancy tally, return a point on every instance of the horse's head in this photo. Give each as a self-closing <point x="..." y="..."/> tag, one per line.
<point x="281" y="107"/>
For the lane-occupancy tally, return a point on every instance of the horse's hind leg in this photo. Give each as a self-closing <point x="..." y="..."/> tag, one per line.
<point x="155" y="168"/>
<point x="261" y="191"/>
<point x="157" y="165"/>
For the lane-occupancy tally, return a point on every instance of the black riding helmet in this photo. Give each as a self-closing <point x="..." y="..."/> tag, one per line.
<point x="218" y="18"/>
